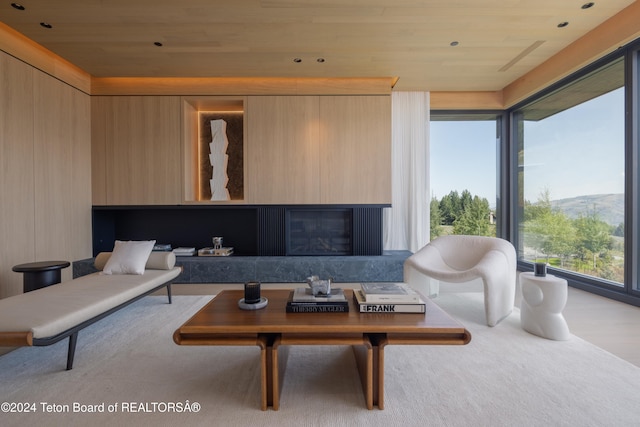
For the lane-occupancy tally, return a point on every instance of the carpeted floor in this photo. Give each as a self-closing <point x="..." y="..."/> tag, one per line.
<point x="128" y="366"/>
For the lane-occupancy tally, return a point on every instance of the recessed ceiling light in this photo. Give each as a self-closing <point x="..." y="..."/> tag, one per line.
<point x="46" y="25"/>
<point x="297" y="60"/>
<point x="17" y="6"/>
<point x="320" y="59"/>
<point x="588" y="5"/>
<point x="157" y="43"/>
<point x="563" y="24"/>
<point x="454" y="43"/>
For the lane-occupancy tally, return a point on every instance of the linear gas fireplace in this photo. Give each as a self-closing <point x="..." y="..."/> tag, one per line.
<point x="318" y="231"/>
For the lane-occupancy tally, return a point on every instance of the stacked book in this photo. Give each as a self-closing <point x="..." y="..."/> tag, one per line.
<point x="182" y="251"/>
<point x="386" y="297"/>
<point x="302" y="300"/>
<point x="162" y="247"/>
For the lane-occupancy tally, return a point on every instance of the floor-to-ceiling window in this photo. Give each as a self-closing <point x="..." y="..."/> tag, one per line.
<point x="463" y="172"/>
<point x="570" y="147"/>
<point x="559" y="174"/>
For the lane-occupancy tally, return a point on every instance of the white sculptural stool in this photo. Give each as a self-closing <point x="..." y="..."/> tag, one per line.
<point x="543" y="299"/>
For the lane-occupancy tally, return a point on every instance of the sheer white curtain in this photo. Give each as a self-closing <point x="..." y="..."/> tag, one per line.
<point x="406" y="223"/>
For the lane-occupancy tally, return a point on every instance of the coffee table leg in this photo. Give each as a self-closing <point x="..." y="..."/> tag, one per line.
<point x="379" y="373"/>
<point x="279" y="356"/>
<point x="378" y="342"/>
<point x="265" y="371"/>
<point x="364" y="355"/>
<point x="362" y="349"/>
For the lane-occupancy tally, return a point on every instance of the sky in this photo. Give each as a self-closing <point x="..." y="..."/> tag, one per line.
<point x="463" y="157"/>
<point x="573" y="153"/>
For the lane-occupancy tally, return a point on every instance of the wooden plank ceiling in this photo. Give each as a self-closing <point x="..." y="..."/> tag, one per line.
<point x="498" y="41"/>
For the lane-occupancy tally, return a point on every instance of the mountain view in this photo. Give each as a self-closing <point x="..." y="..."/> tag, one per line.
<point x="581" y="234"/>
<point x="610" y="207"/>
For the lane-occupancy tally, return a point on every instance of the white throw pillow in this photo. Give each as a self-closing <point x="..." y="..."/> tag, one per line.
<point x="129" y="257"/>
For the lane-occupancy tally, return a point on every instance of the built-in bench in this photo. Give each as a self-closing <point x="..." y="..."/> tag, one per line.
<point x="49" y="315"/>
<point x="387" y="267"/>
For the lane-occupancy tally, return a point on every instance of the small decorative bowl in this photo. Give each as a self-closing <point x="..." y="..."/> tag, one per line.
<point x="319" y="287"/>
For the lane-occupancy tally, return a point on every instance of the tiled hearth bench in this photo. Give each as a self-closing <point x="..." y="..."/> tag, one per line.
<point x="282" y="269"/>
<point x="48" y="315"/>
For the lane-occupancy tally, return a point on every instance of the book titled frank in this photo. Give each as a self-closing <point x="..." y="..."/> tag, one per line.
<point x="367" y="307"/>
<point x="389" y="292"/>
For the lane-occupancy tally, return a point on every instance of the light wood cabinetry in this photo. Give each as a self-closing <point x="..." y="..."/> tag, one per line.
<point x="297" y="149"/>
<point x="282" y="149"/>
<point x="319" y="149"/>
<point x="355" y="141"/>
<point x="138" y="138"/>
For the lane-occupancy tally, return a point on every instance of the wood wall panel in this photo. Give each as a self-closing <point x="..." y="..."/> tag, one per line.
<point x="62" y="171"/>
<point x="16" y="172"/>
<point x="190" y="156"/>
<point x="99" y="150"/>
<point x="52" y="164"/>
<point x="319" y="149"/>
<point x="282" y="150"/>
<point x="355" y="141"/>
<point x="143" y="150"/>
<point x="79" y="117"/>
<point x="46" y="180"/>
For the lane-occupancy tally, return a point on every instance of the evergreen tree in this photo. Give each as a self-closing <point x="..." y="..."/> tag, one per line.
<point x="450" y="208"/>
<point x="435" y="218"/>
<point x="466" y="199"/>
<point x="474" y="220"/>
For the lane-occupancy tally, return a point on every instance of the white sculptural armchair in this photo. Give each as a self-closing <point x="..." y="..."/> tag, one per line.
<point x="459" y="259"/>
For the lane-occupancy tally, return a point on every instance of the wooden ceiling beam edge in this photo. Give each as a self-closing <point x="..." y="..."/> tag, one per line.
<point x="34" y="54"/>
<point x="620" y="29"/>
<point x="205" y="86"/>
<point x="466" y="100"/>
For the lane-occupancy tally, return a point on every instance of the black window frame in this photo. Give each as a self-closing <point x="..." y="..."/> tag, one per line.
<point x="630" y="291"/>
<point x="503" y="218"/>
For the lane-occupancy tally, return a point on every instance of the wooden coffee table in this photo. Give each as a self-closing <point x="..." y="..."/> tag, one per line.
<point x="272" y="329"/>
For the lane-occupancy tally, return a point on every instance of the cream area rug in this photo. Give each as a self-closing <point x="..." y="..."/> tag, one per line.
<point x="129" y="371"/>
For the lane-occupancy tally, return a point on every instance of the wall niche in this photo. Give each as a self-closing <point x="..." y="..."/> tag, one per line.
<point x="227" y="156"/>
<point x="234" y="152"/>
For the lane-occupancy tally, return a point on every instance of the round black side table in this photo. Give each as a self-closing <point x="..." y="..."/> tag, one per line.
<point x="40" y="274"/>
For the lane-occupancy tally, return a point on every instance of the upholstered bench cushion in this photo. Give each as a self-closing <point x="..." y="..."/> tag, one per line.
<point x="156" y="261"/>
<point x="50" y="311"/>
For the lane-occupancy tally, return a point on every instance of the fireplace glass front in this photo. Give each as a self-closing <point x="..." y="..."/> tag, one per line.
<point x="319" y="232"/>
